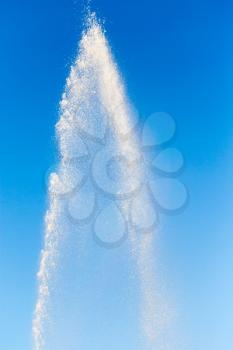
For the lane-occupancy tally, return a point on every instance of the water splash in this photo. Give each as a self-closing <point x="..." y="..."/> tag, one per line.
<point x="93" y="105"/>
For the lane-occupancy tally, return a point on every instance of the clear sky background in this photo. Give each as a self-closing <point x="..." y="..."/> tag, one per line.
<point x="175" y="56"/>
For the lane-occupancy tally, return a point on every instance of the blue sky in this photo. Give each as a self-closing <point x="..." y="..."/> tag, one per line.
<point x="175" y="56"/>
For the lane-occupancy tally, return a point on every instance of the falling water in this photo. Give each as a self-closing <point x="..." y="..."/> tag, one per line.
<point x="94" y="103"/>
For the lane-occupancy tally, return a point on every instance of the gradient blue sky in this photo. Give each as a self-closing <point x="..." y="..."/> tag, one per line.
<point x="175" y="56"/>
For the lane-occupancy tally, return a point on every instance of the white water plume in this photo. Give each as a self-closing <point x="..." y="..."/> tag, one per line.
<point x="94" y="103"/>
